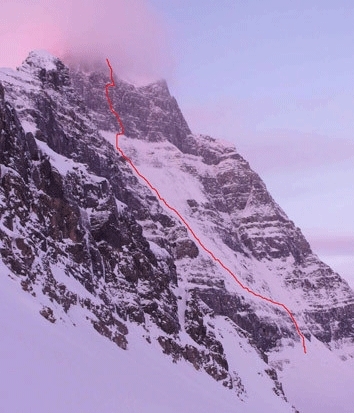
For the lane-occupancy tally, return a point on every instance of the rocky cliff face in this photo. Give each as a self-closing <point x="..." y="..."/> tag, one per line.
<point x="79" y="230"/>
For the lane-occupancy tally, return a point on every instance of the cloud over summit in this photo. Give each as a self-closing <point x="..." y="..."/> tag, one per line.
<point x="129" y="32"/>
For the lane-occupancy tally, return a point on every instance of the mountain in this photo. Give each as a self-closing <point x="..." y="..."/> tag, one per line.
<point x="118" y="278"/>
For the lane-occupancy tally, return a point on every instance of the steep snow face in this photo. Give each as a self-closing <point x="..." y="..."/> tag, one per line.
<point x="94" y="247"/>
<point x="229" y="208"/>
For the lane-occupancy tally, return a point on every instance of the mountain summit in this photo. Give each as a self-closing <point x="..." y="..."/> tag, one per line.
<point x="87" y="243"/>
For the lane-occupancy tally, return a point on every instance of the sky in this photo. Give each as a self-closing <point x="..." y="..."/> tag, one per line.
<point x="273" y="77"/>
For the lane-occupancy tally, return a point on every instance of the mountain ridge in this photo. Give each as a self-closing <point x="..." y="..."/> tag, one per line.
<point x="100" y="228"/>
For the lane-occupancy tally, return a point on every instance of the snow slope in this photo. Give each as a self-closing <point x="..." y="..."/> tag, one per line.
<point x="64" y="368"/>
<point x="318" y="382"/>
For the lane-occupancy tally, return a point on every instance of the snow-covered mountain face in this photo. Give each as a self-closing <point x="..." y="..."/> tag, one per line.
<point x="91" y="243"/>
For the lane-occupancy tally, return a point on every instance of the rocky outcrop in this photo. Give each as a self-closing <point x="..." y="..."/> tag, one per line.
<point x="76" y="221"/>
<point x="148" y="111"/>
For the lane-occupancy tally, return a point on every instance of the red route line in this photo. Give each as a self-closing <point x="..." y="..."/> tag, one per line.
<point x="112" y="84"/>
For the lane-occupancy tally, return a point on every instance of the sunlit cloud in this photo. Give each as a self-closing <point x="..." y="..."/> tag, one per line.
<point x="129" y="32"/>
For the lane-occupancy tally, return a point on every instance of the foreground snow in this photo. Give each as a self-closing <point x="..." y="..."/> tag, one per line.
<point x="318" y="382"/>
<point x="62" y="368"/>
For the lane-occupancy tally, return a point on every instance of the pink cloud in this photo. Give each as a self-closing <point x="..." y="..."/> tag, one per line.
<point x="129" y="32"/>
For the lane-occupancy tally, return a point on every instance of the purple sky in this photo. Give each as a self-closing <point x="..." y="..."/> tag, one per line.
<point x="274" y="77"/>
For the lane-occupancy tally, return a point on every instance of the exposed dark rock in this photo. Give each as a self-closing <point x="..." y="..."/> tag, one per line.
<point x="47" y="313"/>
<point x="262" y="332"/>
<point x="212" y="362"/>
<point x="186" y="248"/>
<point x="105" y="331"/>
<point x="278" y="389"/>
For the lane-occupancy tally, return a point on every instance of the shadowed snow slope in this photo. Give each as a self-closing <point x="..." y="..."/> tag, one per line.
<point x="61" y="368"/>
